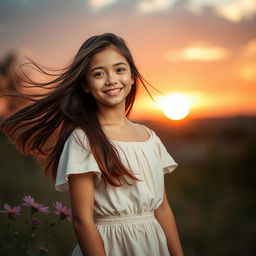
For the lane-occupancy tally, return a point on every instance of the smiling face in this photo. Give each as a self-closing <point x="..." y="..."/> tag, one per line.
<point x="109" y="78"/>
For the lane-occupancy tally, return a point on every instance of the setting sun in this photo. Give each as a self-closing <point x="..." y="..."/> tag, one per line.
<point x="175" y="106"/>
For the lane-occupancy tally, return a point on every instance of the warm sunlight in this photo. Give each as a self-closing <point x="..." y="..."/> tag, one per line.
<point x="175" y="106"/>
<point x="195" y="53"/>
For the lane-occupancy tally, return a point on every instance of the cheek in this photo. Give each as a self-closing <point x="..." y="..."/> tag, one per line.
<point x="93" y="85"/>
<point x="129" y="80"/>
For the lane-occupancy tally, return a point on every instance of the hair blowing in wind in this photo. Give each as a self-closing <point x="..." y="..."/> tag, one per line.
<point x="42" y="127"/>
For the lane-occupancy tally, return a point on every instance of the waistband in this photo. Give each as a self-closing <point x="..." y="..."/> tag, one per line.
<point x="125" y="219"/>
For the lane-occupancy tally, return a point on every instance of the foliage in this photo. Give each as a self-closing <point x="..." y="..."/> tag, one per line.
<point x="23" y="237"/>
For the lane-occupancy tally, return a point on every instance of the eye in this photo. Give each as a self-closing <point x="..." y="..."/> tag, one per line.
<point x="98" y="74"/>
<point x="120" y="69"/>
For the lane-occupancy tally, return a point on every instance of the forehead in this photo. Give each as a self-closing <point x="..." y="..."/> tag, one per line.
<point x="107" y="57"/>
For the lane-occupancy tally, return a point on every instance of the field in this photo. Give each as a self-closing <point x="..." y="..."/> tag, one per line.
<point x="212" y="192"/>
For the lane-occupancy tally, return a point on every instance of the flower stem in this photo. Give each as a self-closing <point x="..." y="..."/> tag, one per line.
<point x="24" y="253"/>
<point x="53" y="233"/>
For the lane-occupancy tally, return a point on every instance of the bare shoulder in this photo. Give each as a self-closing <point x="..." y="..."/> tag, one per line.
<point x="142" y="130"/>
<point x="140" y="127"/>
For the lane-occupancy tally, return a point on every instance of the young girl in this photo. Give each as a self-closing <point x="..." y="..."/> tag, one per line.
<point x="113" y="168"/>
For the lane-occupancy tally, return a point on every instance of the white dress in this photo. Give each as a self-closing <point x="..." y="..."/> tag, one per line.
<point x="124" y="216"/>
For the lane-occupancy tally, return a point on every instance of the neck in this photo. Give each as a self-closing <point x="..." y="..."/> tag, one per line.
<point x="112" y="116"/>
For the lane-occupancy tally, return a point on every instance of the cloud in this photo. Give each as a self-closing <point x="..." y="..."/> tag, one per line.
<point x="195" y="53"/>
<point x="247" y="72"/>
<point x="148" y="6"/>
<point x="233" y="10"/>
<point x="247" y="68"/>
<point x="99" y="4"/>
<point x="237" y="10"/>
<point x="248" y="51"/>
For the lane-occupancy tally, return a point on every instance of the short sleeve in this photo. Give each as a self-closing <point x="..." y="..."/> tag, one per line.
<point x="75" y="158"/>
<point x="167" y="162"/>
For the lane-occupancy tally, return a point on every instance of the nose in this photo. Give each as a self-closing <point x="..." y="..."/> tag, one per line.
<point x="111" y="79"/>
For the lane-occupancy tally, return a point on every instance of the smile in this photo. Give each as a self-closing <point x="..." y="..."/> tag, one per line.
<point x="113" y="92"/>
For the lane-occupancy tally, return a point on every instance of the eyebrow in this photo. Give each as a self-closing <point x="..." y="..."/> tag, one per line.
<point x="116" y="64"/>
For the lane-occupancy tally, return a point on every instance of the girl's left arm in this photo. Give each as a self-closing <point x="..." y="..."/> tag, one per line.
<point x="166" y="219"/>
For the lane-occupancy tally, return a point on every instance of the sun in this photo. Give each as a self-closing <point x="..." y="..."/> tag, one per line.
<point x="175" y="106"/>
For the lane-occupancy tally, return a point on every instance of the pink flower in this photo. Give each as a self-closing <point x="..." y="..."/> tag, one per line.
<point x="43" y="250"/>
<point x="35" y="207"/>
<point x="35" y="222"/>
<point x="11" y="211"/>
<point x="62" y="211"/>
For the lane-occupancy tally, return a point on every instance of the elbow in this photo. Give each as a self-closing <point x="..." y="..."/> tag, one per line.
<point x="82" y="221"/>
<point x="82" y="225"/>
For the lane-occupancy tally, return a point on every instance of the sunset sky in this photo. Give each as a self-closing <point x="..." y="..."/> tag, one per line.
<point x="203" y="49"/>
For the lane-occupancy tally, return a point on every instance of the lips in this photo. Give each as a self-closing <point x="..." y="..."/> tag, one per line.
<point x="113" y="92"/>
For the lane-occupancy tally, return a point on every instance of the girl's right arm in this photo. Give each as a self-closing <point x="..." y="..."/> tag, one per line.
<point x="81" y="189"/>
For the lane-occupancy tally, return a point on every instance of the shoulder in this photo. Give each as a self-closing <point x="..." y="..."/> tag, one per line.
<point x="78" y="136"/>
<point x="78" y="133"/>
<point x="144" y="129"/>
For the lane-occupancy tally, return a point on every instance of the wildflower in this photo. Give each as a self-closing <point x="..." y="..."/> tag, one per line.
<point x="11" y="211"/>
<point x="43" y="250"/>
<point x="29" y="236"/>
<point x="62" y="211"/>
<point x="35" y="222"/>
<point x="35" y="207"/>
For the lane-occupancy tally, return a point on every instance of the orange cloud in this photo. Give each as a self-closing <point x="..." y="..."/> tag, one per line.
<point x="248" y="72"/>
<point x="198" y="54"/>
<point x="249" y="50"/>
<point x="247" y="61"/>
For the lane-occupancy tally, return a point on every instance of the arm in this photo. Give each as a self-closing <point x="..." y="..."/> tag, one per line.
<point x="81" y="188"/>
<point x="166" y="219"/>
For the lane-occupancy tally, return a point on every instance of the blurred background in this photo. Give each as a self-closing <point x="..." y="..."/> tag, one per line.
<point x="202" y="55"/>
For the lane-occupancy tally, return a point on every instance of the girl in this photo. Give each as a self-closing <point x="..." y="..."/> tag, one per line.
<point x="113" y="168"/>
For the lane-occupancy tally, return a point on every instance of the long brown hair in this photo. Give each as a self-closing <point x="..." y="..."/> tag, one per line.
<point x="53" y="115"/>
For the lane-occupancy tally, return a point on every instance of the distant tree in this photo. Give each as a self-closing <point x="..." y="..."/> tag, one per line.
<point x="9" y="83"/>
